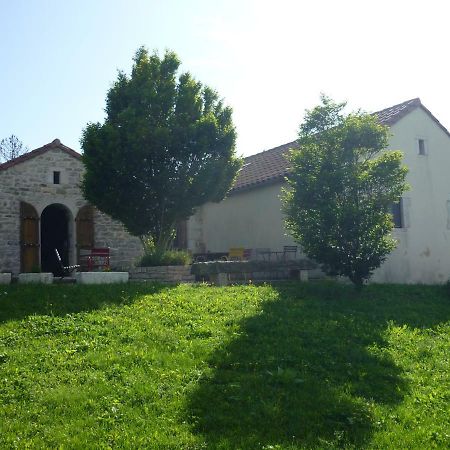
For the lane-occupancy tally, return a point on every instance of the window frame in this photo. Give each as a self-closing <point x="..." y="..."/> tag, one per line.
<point x="397" y="211"/>
<point x="422" y="150"/>
<point x="56" y="177"/>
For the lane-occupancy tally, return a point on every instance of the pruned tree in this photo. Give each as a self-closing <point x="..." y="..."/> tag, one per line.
<point x="342" y="184"/>
<point x="11" y="148"/>
<point x="167" y="146"/>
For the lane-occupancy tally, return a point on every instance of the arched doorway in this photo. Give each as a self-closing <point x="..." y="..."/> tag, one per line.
<point x="54" y="234"/>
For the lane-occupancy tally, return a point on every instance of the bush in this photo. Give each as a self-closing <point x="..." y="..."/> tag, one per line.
<point x="447" y="288"/>
<point x="167" y="258"/>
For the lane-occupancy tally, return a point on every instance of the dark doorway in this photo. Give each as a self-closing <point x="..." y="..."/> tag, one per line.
<point x="54" y="234"/>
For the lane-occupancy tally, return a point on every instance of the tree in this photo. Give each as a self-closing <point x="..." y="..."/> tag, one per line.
<point x="11" y="148"/>
<point x="167" y="146"/>
<point x="341" y="189"/>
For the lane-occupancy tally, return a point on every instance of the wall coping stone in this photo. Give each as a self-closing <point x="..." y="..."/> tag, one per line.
<point x="164" y="274"/>
<point x="40" y="277"/>
<point x="101" y="277"/>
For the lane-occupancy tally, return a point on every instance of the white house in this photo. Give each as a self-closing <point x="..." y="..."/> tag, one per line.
<point x="250" y="216"/>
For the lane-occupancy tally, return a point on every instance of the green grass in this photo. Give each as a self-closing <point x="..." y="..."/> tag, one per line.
<point x="254" y="367"/>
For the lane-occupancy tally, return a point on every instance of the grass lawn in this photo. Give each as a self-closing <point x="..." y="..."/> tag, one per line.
<point x="285" y="366"/>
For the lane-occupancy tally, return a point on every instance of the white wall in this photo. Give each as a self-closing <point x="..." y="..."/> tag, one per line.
<point x="423" y="252"/>
<point x="252" y="219"/>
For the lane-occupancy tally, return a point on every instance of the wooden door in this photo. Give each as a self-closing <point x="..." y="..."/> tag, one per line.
<point x="29" y="238"/>
<point x="84" y="230"/>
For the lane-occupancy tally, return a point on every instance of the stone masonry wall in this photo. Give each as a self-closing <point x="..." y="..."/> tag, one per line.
<point x="31" y="181"/>
<point x="125" y="249"/>
<point x="165" y="274"/>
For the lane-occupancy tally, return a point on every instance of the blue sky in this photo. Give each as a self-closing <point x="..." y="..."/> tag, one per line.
<point x="269" y="60"/>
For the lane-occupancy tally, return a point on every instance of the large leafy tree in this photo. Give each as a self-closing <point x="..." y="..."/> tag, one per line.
<point x="342" y="184"/>
<point x="167" y="145"/>
<point x="11" y="148"/>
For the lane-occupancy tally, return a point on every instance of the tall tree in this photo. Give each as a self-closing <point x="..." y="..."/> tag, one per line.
<point x="11" y="148"/>
<point x="167" y="146"/>
<point x="341" y="188"/>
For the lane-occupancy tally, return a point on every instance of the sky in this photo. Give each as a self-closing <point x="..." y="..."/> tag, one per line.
<point x="269" y="60"/>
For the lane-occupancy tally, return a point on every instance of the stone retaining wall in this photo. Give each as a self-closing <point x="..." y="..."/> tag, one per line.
<point x="101" y="277"/>
<point x="165" y="274"/>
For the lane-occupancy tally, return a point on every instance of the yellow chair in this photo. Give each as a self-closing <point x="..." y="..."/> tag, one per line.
<point x="236" y="254"/>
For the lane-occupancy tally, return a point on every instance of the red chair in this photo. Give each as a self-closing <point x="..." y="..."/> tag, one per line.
<point x="98" y="258"/>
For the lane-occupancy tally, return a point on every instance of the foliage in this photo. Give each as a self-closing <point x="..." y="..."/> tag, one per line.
<point x="447" y="288"/>
<point x="288" y="366"/>
<point x="166" y="258"/>
<point x="11" y="148"/>
<point x="165" y="148"/>
<point x="341" y="188"/>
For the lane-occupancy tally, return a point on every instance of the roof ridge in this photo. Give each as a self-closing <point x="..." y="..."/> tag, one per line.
<point x="272" y="149"/>
<point x="414" y="101"/>
<point x="56" y="143"/>
<point x="270" y="166"/>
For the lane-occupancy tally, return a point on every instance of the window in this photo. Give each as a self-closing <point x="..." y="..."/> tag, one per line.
<point x="422" y="150"/>
<point x="397" y="214"/>
<point x="56" y="177"/>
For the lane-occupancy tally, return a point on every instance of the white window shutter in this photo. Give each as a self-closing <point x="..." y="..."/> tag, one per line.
<point x="406" y="210"/>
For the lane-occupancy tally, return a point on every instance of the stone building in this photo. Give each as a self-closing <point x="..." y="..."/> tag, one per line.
<point x="42" y="208"/>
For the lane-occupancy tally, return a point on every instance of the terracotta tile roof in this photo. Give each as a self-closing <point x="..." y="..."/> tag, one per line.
<point x="56" y="143"/>
<point x="393" y="114"/>
<point x="271" y="165"/>
<point x="262" y="168"/>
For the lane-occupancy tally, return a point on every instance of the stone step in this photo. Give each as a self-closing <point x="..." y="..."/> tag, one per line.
<point x="64" y="280"/>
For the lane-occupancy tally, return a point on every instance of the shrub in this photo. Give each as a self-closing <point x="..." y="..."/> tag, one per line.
<point x="167" y="258"/>
<point x="342" y="185"/>
<point x="447" y="288"/>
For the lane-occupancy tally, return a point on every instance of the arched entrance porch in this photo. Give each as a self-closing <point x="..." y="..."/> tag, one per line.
<point x="56" y="232"/>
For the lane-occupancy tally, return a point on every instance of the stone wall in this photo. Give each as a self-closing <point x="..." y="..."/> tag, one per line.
<point x="31" y="181"/>
<point x="165" y="274"/>
<point x="125" y="249"/>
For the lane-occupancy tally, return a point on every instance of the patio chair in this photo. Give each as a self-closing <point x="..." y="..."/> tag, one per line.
<point x="96" y="258"/>
<point x="66" y="271"/>
<point x="262" y="254"/>
<point x="236" y="254"/>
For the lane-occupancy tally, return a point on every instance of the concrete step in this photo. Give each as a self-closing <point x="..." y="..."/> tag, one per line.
<point x="64" y="280"/>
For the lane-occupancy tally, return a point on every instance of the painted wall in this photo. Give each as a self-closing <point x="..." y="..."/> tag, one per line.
<point x="423" y="252"/>
<point x="253" y="219"/>
<point x="249" y="219"/>
<point x="31" y="181"/>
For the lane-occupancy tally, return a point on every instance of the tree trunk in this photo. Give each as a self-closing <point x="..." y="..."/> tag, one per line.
<point x="164" y="240"/>
<point x="358" y="281"/>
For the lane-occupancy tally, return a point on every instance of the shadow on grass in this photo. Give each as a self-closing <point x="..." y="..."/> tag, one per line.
<point x="309" y="369"/>
<point x="20" y="301"/>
